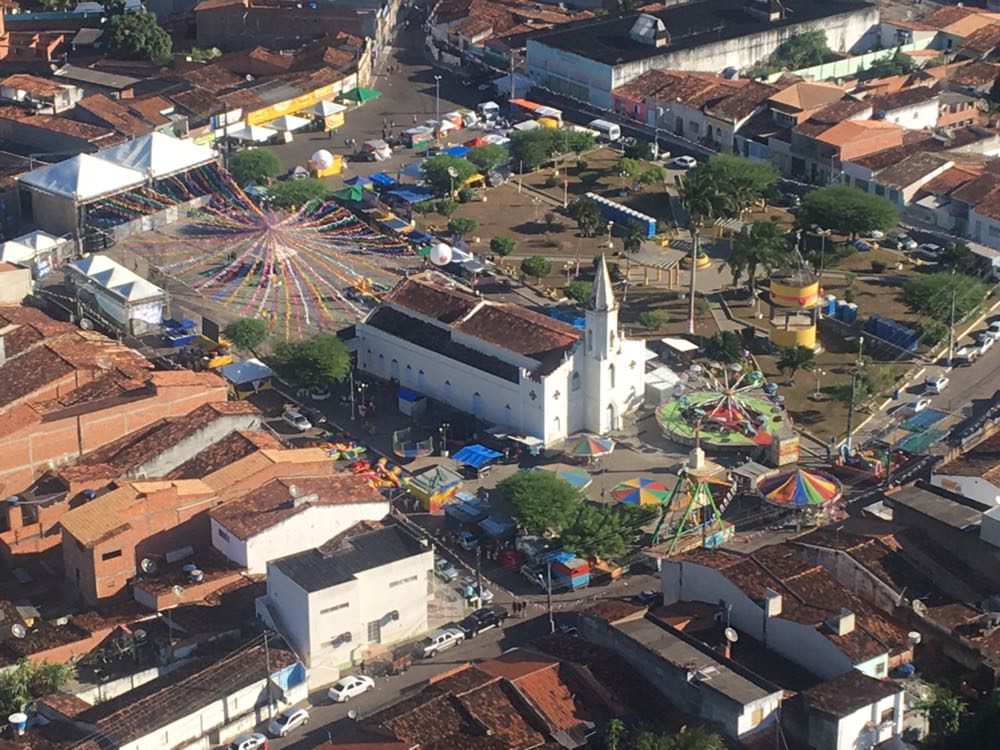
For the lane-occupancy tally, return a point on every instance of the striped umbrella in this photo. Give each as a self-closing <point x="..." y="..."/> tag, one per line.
<point x="590" y="446"/>
<point x="576" y="476"/>
<point x="802" y="489"/>
<point x="640" y="491"/>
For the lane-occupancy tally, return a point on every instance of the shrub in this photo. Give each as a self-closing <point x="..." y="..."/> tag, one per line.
<point x="579" y="290"/>
<point x="466" y="194"/>
<point x="551" y="181"/>
<point x="582" y="164"/>
<point x="446" y="206"/>
<point x="879" y="266"/>
<point x="502" y="246"/>
<point x="653" y="319"/>
<point x="461" y="226"/>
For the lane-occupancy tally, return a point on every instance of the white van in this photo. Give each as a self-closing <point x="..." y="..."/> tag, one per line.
<point x="609" y="131"/>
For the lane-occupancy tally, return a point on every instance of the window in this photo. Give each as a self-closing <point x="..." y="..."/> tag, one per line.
<point x="334" y="608"/>
<point x="381" y="363"/>
<point x="375" y="632"/>
<point x="611" y="375"/>
<point x="223" y="534"/>
<point x="590" y="341"/>
<point x="574" y="381"/>
<point x="757" y="716"/>
<point x="112" y="554"/>
<point x="401" y="581"/>
<point x="420" y="379"/>
<point x="880" y="668"/>
<point x="888" y="715"/>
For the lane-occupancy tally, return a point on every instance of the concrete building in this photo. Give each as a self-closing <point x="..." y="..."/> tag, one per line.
<point x="688" y="674"/>
<point x="15" y="283"/>
<point x="504" y="364"/>
<point x="41" y="95"/>
<point x="974" y="474"/>
<point x="587" y="60"/>
<point x="794" y="608"/>
<point x="853" y="712"/>
<point x="358" y="593"/>
<point x="286" y="516"/>
<point x="914" y="108"/>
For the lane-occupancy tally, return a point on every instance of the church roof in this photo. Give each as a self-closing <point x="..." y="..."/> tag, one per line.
<point x="602" y="296"/>
<point x="503" y="325"/>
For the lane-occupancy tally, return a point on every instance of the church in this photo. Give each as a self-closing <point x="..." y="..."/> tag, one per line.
<point x="505" y="364"/>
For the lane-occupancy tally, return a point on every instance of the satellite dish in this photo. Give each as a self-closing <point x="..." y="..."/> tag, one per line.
<point x="12" y="500"/>
<point x="294" y="490"/>
<point x="148" y="566"/>
<point x="731" y="635"/>
<point x="139" y="635"/>
<point x="178" y="590"/>
<point x="352" y="714"/>
<point x="18" y="630"/>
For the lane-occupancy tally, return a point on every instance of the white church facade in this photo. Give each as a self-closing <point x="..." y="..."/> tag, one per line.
<point x="505" y="364"/>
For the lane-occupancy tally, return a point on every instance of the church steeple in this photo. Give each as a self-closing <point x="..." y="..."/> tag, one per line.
<point x="602" y="296"/>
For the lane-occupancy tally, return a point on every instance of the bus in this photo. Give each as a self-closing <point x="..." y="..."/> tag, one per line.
<point x="609" y="131"/>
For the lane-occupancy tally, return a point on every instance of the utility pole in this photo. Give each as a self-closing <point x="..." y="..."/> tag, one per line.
<point x="548" y="590"/>
<point x="479" y="574"/>
<point x="353" y="401"/>
<point x="437" y="109"/>
<point x="854" y="385"/>
<point x="513" y="89"/>
<point x="267" y="663"/>
<point x="951" y="323"/>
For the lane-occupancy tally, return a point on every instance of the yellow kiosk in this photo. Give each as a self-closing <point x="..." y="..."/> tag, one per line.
<point x="794" y="303"/>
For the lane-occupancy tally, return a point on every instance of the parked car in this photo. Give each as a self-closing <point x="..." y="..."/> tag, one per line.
<point x="966" y="355"/>
<point x="684" y="162"/>
<point x="650" y="598"/>
<point x="860" y="245"/>
<point x="287" y="720"/>
<point x="315" y="416"/>
<point x="536" y="574"/>
<point x="444" y="570"/>
<point x="350" y="687"/>
<point x="440" y="640"/>
<point x="482" y="620"/>
<point x="905" y="242"/>
<point x="916" y="405"/>
<point x="875" y="234"/>
<point x="993" y="329"/>
<point x="297" y="420"/>
<point x="984" y="342"/>
<point x="255" y="741"/>
<point x="930" y="251"/>
<point x="935" y="384"/>
<point x="467" y="540"/>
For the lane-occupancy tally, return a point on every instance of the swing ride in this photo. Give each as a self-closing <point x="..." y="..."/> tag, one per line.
<point x="313" y="268"/>
<point x="730" y="408"/>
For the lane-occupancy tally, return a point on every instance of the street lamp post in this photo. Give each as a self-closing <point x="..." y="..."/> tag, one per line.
<point x="443" y="432"/>
<point x="854" y="387"/>
<point x="611" y="225"/>
<point x="567" y="267"/>
<point x="823" y="234"/>
<point x="452" y="174"/>
<point x="437" y="108"/>
<point x="819" y="374"/>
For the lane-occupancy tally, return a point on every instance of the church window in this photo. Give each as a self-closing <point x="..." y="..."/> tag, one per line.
<point x="574" y="381"/>
<point x="611" y="375"/>
<point x="590" y="341"/>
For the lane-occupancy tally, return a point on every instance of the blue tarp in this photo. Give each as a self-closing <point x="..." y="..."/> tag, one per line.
<point x="407" y="395"/>
<point x="419" y="237"/>
<point x="357" y="180"/>
<point x="475" y="455"/>
<point x="498" y="527"/>
<point x="457" y="150"/>
<point x="383" y="180"/>
<point x="412" y="194"/>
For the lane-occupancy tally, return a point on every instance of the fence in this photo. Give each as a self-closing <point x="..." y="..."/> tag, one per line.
<point x="851" y="66"/>
<point x="155" y="220"/>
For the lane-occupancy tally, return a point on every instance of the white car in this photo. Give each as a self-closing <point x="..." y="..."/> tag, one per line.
<point x="287" y="720"/>
<point x="875" y="234"/>
<point x="993" y="329"/>
<point x="440" y="640"/>
<point x="905" y="242"/>
<point x="930" y="250"/>
<point x="350" y="687"/>
<point x="297" y="420"/>
<point x="984" y="342"/>
<point x="253" y="741"/>
<point x="935" y="384"/>
<point x="916" y="405"/>
<point x="684" y="162"/>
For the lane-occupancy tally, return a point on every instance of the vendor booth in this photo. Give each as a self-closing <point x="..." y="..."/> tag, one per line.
<point x="434" y="486"/>
<point x="246" y="377"/>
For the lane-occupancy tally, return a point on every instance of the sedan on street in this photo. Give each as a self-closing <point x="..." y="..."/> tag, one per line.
<point x="684" y="162"/>
<point x="287" y="720"/>
<point x="350" y="687"/>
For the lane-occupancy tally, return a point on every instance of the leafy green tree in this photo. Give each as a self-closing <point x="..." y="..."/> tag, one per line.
<point x="653" y="319"/>
<point x="446" y="206"/>
<point x="896" y="64"/>
<point x="629" y="168"/>
<point x="246" y="333"/>
<point x="756" y="245"/>
<point x="944" y="712"/>
<point x="846" y="210"/>
<point x="587" y="215"/>
<point x="537" y="266"/>
<point x="315" y="361"/>
<point x="578" y="142"/>
<point x="295" y="193"/>
<point x="502" y="246"/>
<point x="725" y="347"/>
<point x="27" y="681"/>
<point x="435" y="171"/>
<point x="655" y="175"/>
<point x="461" y="226"/>
<point x="695" y="738"/>
<point x="613" y="734"/>
<point x="424" y="207"/>
<point x="931" y="294"/>
<point x="743" y="180"/>
<point x="702" y="307"/>
<point x="605" y="531"/>
<point x="956" y="256"/>
<point x="487" y="156"/>
<point x="932" y="332"/>
<point x="254" y="166"/>
<point x="137" y="36"/>
<point x="805" y="49"/>
<point x="529" y="149"/>
<point x="579" y="290"/>
<point x="542" y="501"/>
<point x="795" y="358"/>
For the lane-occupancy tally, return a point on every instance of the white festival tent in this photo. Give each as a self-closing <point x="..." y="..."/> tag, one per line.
<point x="83" y="178"/>
<point x="158" y="155"/>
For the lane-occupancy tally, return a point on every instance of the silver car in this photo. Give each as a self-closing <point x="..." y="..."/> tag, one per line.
<point x="287" y="720"/>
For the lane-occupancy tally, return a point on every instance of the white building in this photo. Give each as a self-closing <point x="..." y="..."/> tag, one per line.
<point x="803" y="613"/>
<point x="975" y="474"/>
<point x="285" y="516"/>
<point x="336" y="603"/>
<point x="505" y="364"/>
<point x="853" y="712"/>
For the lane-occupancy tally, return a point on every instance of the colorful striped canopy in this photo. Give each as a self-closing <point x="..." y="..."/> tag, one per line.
<point x="803" y="489"/>
<point x="590" y="446"/>
<point x="576" y="476"/>
<point x="640" y="491"/>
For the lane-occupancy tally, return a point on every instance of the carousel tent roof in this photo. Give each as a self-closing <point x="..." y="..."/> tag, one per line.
<point x="802" y="489"/>
<point x="158" y="154"/>
<point x="83" y="178"/>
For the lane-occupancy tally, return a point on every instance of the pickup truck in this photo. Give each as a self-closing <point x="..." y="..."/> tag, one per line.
<point x="483" y="619"/>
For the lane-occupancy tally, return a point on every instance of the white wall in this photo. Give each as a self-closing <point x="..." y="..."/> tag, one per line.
<point x="290" y="604"/>
<point x="864" y="728"/>
<point x="305" y="530"/>
<point x="768" y="707"/>
<point x="989" y="530"/>
<point x="974" y="488"/>
<point x="916" y="117"/>
<point x="984" y="229"/>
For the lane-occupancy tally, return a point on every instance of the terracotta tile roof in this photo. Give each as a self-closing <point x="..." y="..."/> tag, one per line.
<point x="113" y="114"/>
<point x="66" y="704"/>
<point x="22" y="376"/>
<point x="212" y="77"/>
<point x="445" y="303"/>
<point x="853" y="130"/>
<point x="849" y="692"/>
<point x="669" y="84"/>
<point x="259" y="460"/>
<point x="982" y="41"/>
<point x="957" y="20"/>
<point x="491" y="707"/>
<point x="977" y="189"/>
<point x="421" y="720"/>
<point x="517" y="663"/>
<point x="841" y="111"/>
<point x="912" y="169"/>
<point x="979" y="73"/>
<point x="806" y="95"/>
<point x="235" y="446"/>
<point x="950" y="180"/>
<point x="613" y="610"/>
<point x="34" y="85"/>
<point x="903" y="98"/>
<point x="520" y="330"/>
<point x="57" y="124"/>
<point x="151" y="109"/>
<point x="990" y="205"/>
<point x="271" y="504"/>
<point x="982" y="460"/>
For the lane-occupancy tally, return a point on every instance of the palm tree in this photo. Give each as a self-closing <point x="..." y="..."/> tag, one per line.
<point x="700" y="196"/>
<point x="758" y="244"/>
<point x="795" y="358"/>
<point x="631" y="244"/>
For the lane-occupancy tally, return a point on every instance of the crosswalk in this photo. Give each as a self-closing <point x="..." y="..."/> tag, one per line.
<point x="733" y="225"/>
